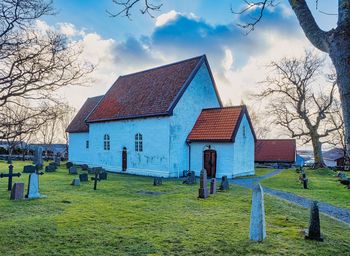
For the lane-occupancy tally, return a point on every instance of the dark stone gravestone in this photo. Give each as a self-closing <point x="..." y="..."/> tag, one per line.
<point x="73" y="170"/>
<point x="83" y="177"/>
<point x="29" y="169"/>
<point x="224" y="184"/>
<point x="69" y="164"/>
<point x="203" y="188"/>
<point x="304" y="180"/>
<point x="157" y="181"/>
<point x="84" y="167"/>
<point x="38" y="156"/>
<point x="190" y="179"/>
<point x="39" y="167"/>
<point x="50" y="168"/>
<point x="10" y="175"/>
<point x="33" y="186"/>
<point x="76" y="182"/>
<point x="96" y="179"/>
<point x="103" y="175"/>
<point x="57" y="159"/>
<point x="53" y="164"/>
<point x="17" y="191"/>
<point x="257" y="229"/>
<point x="314" y="231"/>
<point x="213" y="186"/>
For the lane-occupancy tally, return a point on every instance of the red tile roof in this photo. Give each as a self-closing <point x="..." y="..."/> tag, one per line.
<point x="282" y="150"/>
<point x="78" y="123"/>
<point x="218" y="124"/>
<point x="152" y="92"/>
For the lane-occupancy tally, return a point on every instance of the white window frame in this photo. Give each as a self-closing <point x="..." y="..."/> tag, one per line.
<point x="138" y="142"/>
<point x="106" y="142"/>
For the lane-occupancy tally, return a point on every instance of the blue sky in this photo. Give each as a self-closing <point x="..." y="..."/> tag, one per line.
<point x="180" y="30"/>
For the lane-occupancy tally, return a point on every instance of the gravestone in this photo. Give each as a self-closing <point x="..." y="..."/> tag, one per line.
<point x="50" y="168"/>
<point x="213" y="186"/>
<point x="29" y="169"/>
<point x="38" y="156"/>
<point x="190" y="179"/>
<point x="69" y="165"/>
<point x="9" y="175"/>
<point x="341" y="175"/>
<point x="257" y="215"/>
<point x="157" y="181"/>
<point x="203" y="188"/>
<point x="76" y="182"/>
<point x="57" y="159"/>
<point x="33" y="186"/>
<point x="314" y="231"/>
<point x="224" y="184"/>
<point x="304" y="180"/>
<point x="84" y="167"/>
<point x="39" y="167"/>
<point x="103" y="175"/>
<point x="53" y="164"/>
<point x="95" y="179"/>
<point x="17" y="191"/>
<point x="83" y="177"/>
<point x="9" y="160"/>
<point x="73" y="170"/>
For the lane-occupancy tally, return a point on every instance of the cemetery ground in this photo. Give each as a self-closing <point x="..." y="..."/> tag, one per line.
<point x="119" y="218"/>
<point x="323" y="186"/>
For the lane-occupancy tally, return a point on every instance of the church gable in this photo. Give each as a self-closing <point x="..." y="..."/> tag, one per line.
<point x="153" y="92"/>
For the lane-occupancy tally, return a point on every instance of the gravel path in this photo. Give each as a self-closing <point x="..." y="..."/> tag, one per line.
<point x="337" y="213"/>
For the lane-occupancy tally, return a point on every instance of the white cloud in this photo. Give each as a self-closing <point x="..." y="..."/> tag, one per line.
<point x="67" y="29"/>
<point x="166" y="17"/>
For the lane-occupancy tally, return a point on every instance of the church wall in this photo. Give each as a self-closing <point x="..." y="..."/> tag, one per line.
<point x="77" y="151"/>
<point x="244" y="147"/>
<point x="199" y="94"/>
<point x="153" y="160"/>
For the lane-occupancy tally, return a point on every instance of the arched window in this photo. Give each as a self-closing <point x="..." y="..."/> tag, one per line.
<point x="138" y="142"/>
<point x="106" y="142"/>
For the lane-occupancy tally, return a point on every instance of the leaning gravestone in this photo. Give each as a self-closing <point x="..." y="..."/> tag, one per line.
<point x="190" y="179"/>
<point x="157" y="181"/>
<point x="33" y="186"/>
<point x="17" y="191"/>
<point x="213" y="186"/>
<point x="76" y="182"/>
<point x="224" y="184"/>
<point x="38" y="156"/>
<point x="314" y="231"/>
<point x="50" y="168"/>
<point x="257" y="216"/>
<point x="73" y="170"/>
<point x="69" y="164"/>
<point x="29" y="169"/>
<point x="203" y="186"/>
<point x="83" y="177"/>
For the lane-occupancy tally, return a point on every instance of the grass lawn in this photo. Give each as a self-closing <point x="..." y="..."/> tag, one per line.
<point x="323" y="186"/>
<point x="118" y="220"/>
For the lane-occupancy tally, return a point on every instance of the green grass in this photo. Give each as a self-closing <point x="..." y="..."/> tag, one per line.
<point x="323" y="186"/>
<point x="117" y="220"/>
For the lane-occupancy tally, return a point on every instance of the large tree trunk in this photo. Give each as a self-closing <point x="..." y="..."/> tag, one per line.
<point x="317" y="147"/>
<point x="340" y="55"/>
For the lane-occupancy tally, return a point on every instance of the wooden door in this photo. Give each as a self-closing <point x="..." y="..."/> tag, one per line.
<point x="124" y="160"/>
<point x="210" y="162"/>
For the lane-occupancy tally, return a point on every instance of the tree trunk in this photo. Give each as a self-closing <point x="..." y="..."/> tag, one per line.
<point x="317" y="147"/>
<point x="340" y="55"/>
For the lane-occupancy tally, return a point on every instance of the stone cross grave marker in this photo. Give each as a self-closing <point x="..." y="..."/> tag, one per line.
<point x="17" y="191"/>
<point x="257" y="216"/>
<point x="10" y="175"/>
<point x="213" y="186"/>
<point x="314" y="231"/>
<point x="224" y="184"/>
<point x="95" y="179"/>
<point x="33" y="186"/>
<point x="38" y="156"/>
<point x="203" y="188"/>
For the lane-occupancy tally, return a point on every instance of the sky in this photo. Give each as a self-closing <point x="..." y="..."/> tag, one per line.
<point x="180" y="30"/>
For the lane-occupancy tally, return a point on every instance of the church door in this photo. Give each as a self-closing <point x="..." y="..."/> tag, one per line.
<point x="210" y="162"/>
<point x="124" y="159"/>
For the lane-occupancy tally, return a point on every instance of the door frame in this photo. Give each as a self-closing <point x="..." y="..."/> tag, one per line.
<point x="124" y="159"/>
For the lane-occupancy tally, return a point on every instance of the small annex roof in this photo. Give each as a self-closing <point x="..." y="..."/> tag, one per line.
<point x="78" y="123"/>
<point x="219" y="124"/>
<point x="275" y="150"/>
<point x="153" y="92"/>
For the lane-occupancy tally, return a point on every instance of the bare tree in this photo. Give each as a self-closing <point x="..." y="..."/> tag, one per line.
<point x="148" y="6"/>
<point x="34" y="64"/>
<point x="68" y="113"/>
<point x="335" y="42"/>
<point x="261" y="127"/>
<point x="295" y="103"/>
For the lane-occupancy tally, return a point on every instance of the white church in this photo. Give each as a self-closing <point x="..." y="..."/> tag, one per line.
<point x="161" y="122"/>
